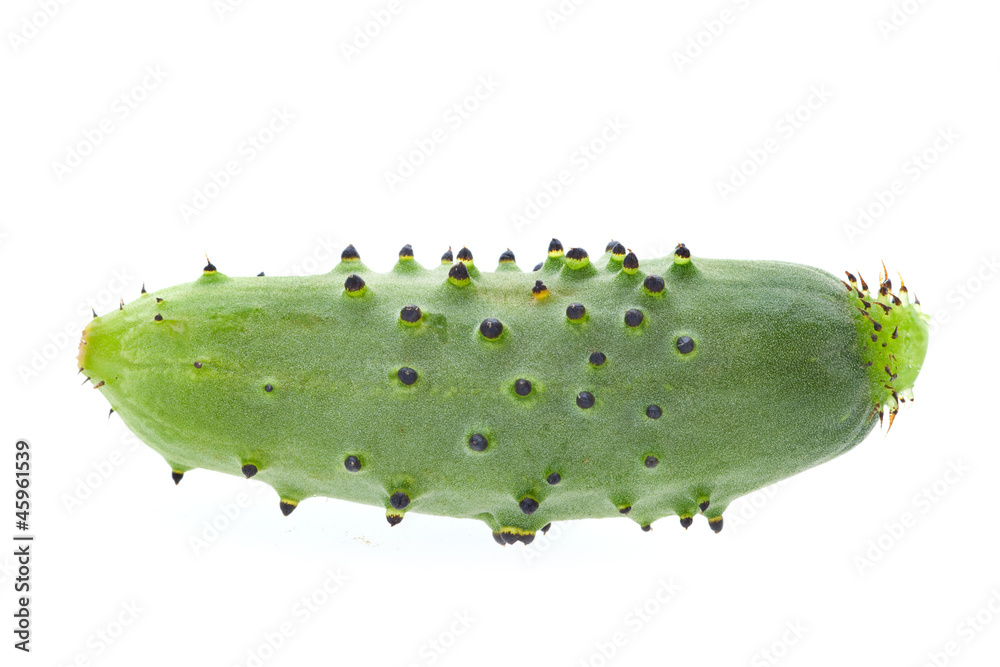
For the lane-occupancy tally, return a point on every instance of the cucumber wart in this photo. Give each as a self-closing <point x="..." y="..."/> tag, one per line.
<point x="581" y="389"/>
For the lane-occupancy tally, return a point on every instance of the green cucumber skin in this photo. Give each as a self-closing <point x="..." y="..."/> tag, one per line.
<point x="775" y="385"/>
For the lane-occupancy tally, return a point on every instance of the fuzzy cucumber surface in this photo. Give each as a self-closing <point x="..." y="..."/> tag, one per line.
<point x="591" y="387"/>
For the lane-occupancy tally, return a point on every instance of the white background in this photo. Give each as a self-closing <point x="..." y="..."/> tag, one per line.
<point x="92" y="204"/>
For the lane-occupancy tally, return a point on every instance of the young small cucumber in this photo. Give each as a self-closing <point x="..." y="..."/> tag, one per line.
<point x="583" y="389"/>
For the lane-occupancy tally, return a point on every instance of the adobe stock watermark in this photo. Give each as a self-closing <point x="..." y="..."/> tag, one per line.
<point x="365" y="34"/>
<point x="121" y="108"/>
<point x="899" y="15"/>
<point x="301" y="612"/>
<point x="67" y="337"/>
<point x="921" y="504"/>
<point x="786" y="127"/>
<point x="31" y="25"/>
<point x="561" y="12"/>
<point x="435" y="647"/>
<point x="453" y="118"/>
<point x="223" y="8"/>
<point x="580" y="160"/>
<point x="544" y="541"/>
<point x="744" y="510"/>
<point x="777" y="650"/>
<point x="99" y="473"/>
<point x="212" y="530"/>
<point x="100" y="641"/>
<point x="966" y="631"/>
<point x="633" y="622"/>
<point x="326" y="251"/>
<point x="656" y="250"/>
<point x="911" y="171"/>
<point x="964" y="292"/>
<point x="712" y="28"/>
<point x="7" y="570"/>
<point x="217" y="180"/>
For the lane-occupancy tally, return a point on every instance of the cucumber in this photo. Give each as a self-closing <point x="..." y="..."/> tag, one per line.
<point x="585" y="388"/>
